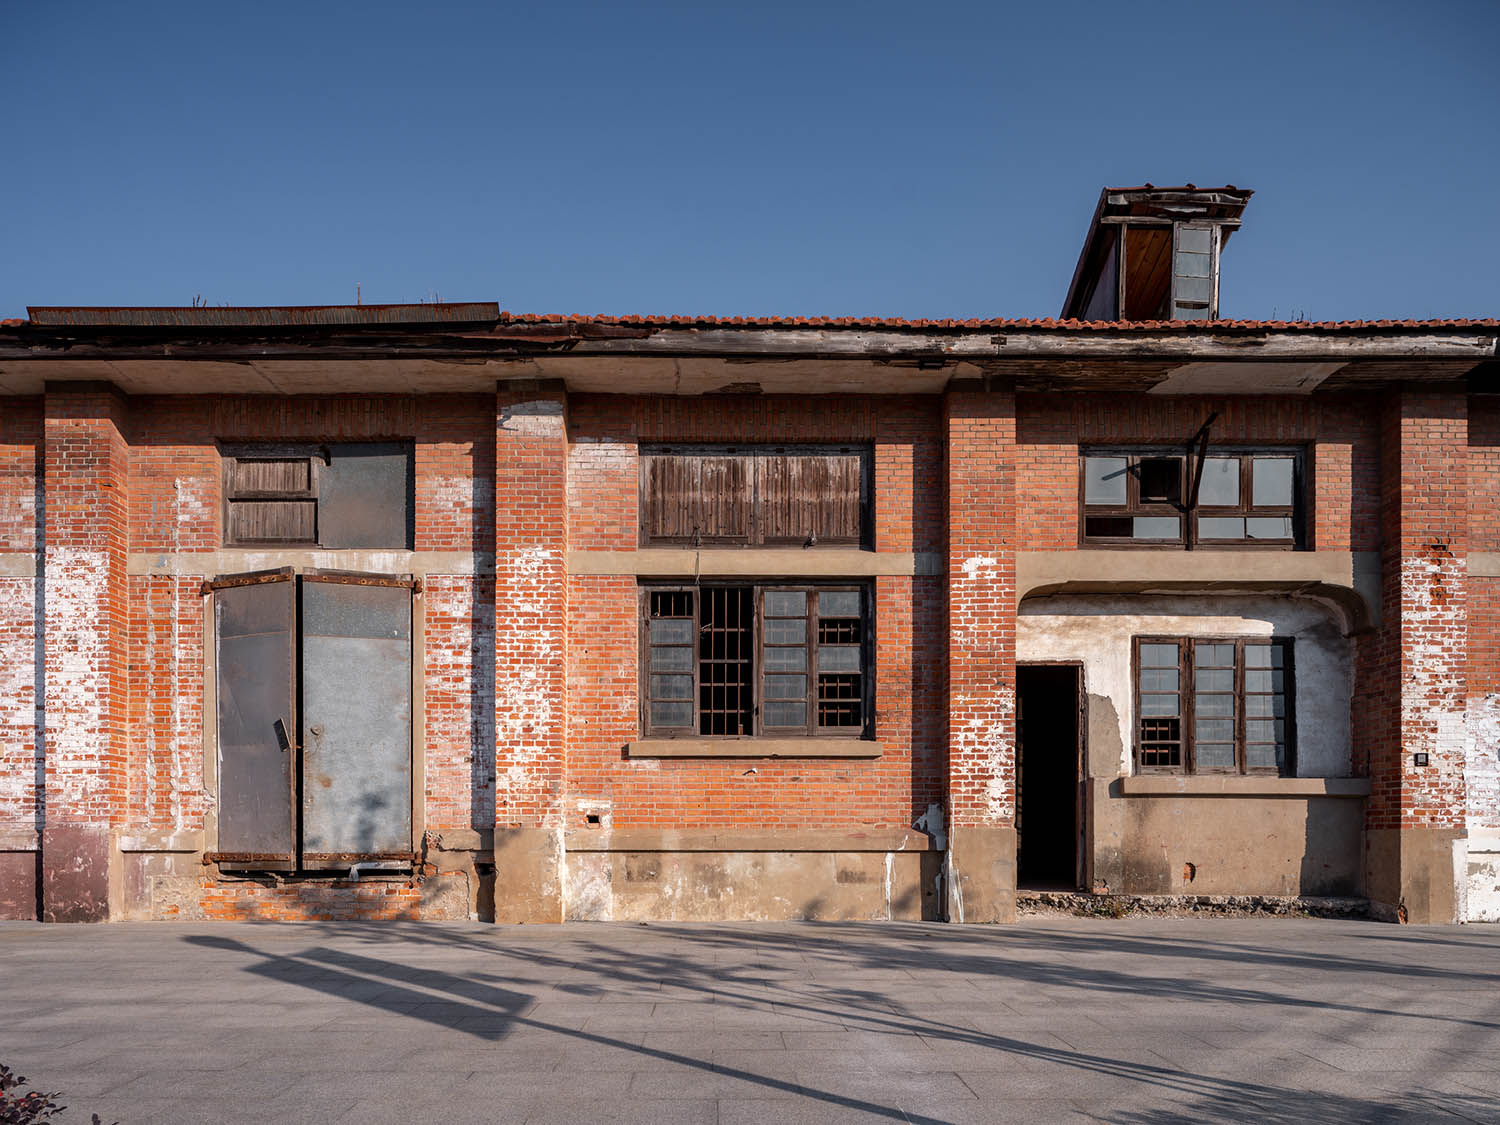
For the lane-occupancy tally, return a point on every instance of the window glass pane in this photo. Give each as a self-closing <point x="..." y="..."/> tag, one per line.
<point x="672" y="714"/>
<point x="784" y="714"/>
<point x="1214" y="706"/>
<point x="786" y="659"/>
<point x="671" y="630"/>
<point x="1195" y="240"/>
<point x="838" y="603"/>
<point x="1221" y="527"/>
<point x="671" y="687"/>
<point x="1104" y="480"/>
<point x="1265" y="730"/>
<point x="1192" y="265"/>
<point x="1220" y="485"/>
<point x="1108" y="527"/>
<point x="1158" y="656"/>
<point x="786" y="603"/>
<point x="1213" y="679"/>
<point x="1263" y="756"/>
<point x="838" y="658"/>
<point x="1194" y="288"/>
<point x="674" y="659"/>
<point x="1159" y="679"/>
<point x="1214" y="730"/>
<point x="1189" y="312"/>
<point x="785" y="630"/>
<point x="1259" y="680"/>
<point x="1265" y="706"/>
<point x="1155" y="527"/>
<point x="1271" y="482"/>
<point x="786" y="687"/>
<point x="1159" y="705"/>
<point x="1215" y="755"/>
<point x="1207" y="655"/>
<point x="1259" y="656"/>
<point x="1160" y="479"/>
<point x="1270" y="527"/>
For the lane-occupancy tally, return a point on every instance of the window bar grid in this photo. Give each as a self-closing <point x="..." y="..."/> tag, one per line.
<point x="724" y="660"/>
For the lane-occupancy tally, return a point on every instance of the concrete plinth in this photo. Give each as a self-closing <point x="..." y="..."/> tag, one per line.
<point x="981" y="883"/>
<point x="528" y="875"/>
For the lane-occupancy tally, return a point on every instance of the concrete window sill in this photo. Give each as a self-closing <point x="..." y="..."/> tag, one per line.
<point x="1163" y="785"/>
<point x="754" y="748"/>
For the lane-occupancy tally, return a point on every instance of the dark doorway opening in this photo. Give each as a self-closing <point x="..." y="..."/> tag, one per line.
<point x="1047" y="779"/>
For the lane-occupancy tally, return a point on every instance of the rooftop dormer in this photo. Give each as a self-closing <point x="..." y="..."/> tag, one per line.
<point x="1152" y="253"/>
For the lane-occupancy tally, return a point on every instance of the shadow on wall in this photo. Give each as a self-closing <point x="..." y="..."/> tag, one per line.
<point x="725" y="968"/>
<point x="482" y="643"/>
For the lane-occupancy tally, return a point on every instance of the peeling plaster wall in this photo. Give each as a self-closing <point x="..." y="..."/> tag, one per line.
<point x="1482" y="793"/>
<point x="1097" y="630"/>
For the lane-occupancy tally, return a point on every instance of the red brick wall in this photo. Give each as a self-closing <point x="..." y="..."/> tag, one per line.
<point x="175" y="493"/>
<point x="1419" y="660"/>
<point x="1338" y="431"/>
<point x="982" y="539"/>
<point x="531" y="450"/>
<point x="20" y="477"/>
<point x="603" y="615"/>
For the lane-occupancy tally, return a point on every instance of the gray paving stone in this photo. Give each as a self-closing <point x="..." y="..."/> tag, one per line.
<point x="1133" y="1020"/>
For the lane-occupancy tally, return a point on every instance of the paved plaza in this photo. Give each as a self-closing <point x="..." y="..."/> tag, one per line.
<point x="1052" y="1019"/>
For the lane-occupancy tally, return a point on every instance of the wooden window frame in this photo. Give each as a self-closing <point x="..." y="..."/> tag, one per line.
<point x="1188" y="513"/>
<point x="318" y="456"/>
<point x="754" y="457"/>
<point x="1186" y="696"/>
<point x="811" y="729"/>
<point x="232" y="455"/>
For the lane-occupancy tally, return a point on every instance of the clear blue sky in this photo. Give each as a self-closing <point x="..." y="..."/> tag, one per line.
<point x="917" y="159"/>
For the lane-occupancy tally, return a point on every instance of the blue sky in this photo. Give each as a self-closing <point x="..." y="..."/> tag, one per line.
<point x="832" y="159"/>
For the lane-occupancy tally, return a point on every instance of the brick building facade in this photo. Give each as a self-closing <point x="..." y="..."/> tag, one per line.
<point x="701" y="619"/>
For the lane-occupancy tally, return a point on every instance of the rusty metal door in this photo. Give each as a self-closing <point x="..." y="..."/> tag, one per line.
<point x="255" y="634"/>
<point x="356" y="719"/>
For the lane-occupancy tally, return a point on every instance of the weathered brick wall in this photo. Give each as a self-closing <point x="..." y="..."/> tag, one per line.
<point x="20" y="511"/>
<point x="603" y="616"/>
<point x="530" y="440"/>
<point x="176" y="509"/>
<point x="1338" y="431"/>
<point x="982" y="542"/>
<point x="21" y="686"/>
<point x="1422" y="665"/>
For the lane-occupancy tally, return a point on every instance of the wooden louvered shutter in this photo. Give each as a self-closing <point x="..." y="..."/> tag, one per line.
<point x="811" y="498"/>
<point x="690" y="499"/>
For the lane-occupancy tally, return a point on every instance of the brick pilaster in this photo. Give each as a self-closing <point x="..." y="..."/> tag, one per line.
<point x="1414" y="817"/>
<point x="85" y="674"/>
<point x="981" y="437"/>
<point x="531" y="449"/>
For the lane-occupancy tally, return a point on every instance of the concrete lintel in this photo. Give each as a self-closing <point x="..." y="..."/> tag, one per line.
<point x="161" y="842"/>
<point x="745" y="840"/>
<point x="754" y="748"/>
<point x="1351" y="579"/>
<point x="755" y="562"/>
<point x="1484" y="564"/>
<point x="17" y="564"/>
<point x="1210" y="785"/>
<point x="462" y="840"/>
<point x="235" y="560"/>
